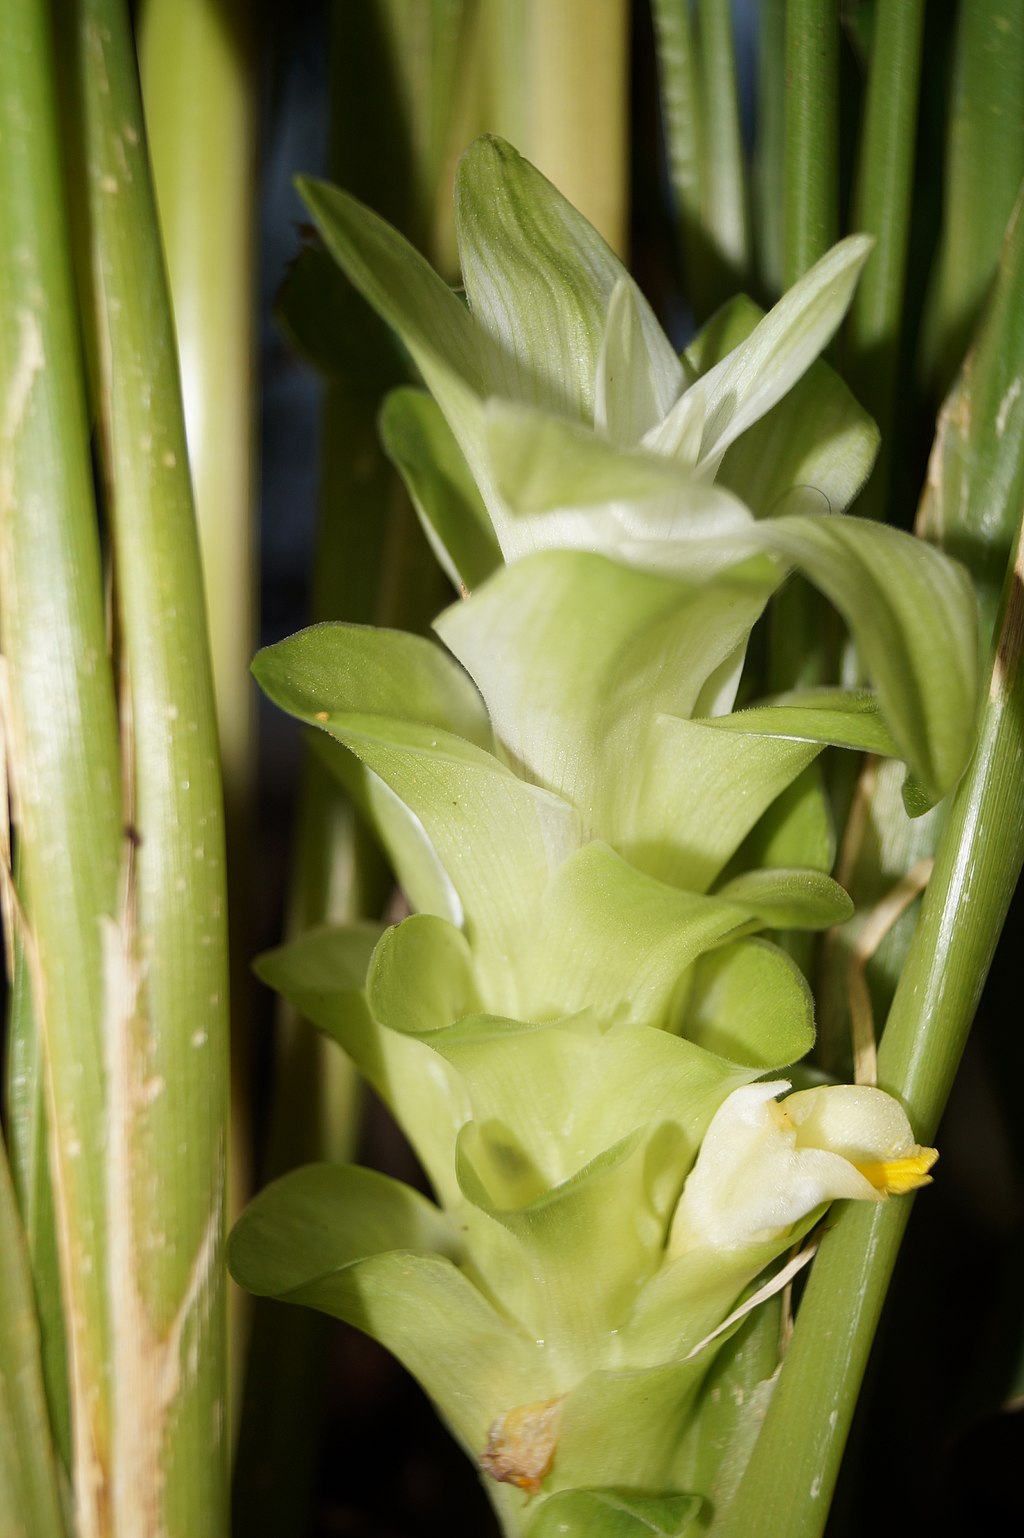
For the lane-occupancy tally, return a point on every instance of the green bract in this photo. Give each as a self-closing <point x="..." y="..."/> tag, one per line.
<point x="566" y="792"/>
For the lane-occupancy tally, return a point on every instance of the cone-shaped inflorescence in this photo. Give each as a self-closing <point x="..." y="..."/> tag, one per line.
<point x="571" y="1025"/>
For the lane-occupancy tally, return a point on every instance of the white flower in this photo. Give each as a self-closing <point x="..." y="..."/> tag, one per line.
<point x="582" y="427"/>
<point x="765" y="1164"/>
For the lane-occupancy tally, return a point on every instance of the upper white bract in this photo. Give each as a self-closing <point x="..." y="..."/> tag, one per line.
<point x="582" y="427"/>
<point x="560" y="397"/>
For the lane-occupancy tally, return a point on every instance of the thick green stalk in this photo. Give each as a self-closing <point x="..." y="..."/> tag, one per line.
<point x="59" y="717"/>
<point x="811" y="191"/>
<point x="197" y="63"/>
<point x="789" y="1482"/>
<point x="984" y="167"/>
<point x="196" y="59"/>
<point x="557" y="88"/>
<point x="683" y="116"/>
<point x="167" y="1031"/>
<point x="882" y="209"/>
<point x="800" y="628"/>
<point x="725" y="185"/>
<point x="769" y="150"/>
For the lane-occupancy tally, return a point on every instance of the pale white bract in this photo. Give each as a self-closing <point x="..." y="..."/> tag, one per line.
<point x="582" y="427"/>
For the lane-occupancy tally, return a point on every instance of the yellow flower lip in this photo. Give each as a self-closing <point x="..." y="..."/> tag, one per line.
<point x="895" y="1177"/>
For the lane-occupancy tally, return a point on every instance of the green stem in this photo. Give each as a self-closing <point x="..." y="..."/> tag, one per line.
<point x="811" y="192"/>
<point x="789" y="1482"/>
<point x="60" y="726"/>
<point x="984" y="168"/>
<point x="197" y="61"/>
<point x="769" y="153"/>
<point x="800" y="645"/>
<point x="725" y="183"/>
<point x="682" y="111"/>
<point x="882" y="208"/>
<point x="167" y="1032"/>
<point x="558" y="89"/>
<point x="196" y="58"/>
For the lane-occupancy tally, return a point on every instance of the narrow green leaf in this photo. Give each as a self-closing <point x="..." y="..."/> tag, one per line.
<point x="746" y="384"/>
<point x="200" y="78"/>
<point x="913" y="617"/>
<point x="400" y="77"/>
<point x="422" y="447"/>
<point x="816" y="436"/>
<point x="402" y="287"/>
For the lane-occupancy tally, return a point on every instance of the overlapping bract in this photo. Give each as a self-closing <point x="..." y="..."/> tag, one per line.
<point x="565" y="791"/>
